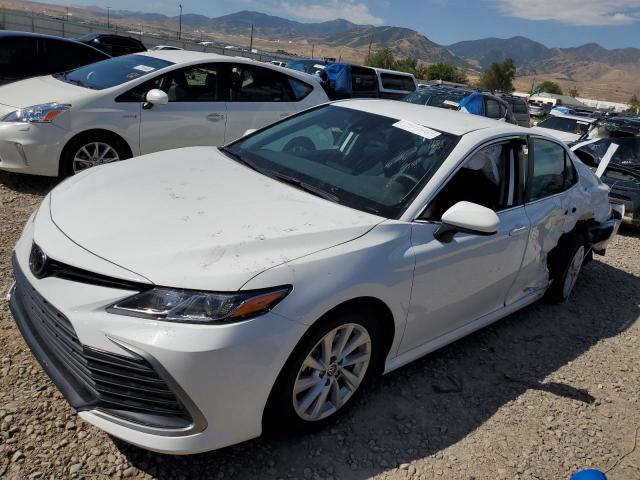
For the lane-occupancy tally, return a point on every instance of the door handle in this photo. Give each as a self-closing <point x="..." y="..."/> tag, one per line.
<point x="518" y="230"/>
<point x="215" y="117"/>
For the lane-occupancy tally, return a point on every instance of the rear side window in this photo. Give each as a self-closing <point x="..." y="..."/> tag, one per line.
<point x="392" y="81"/>
<point x="15" y="57"/>
<point x="492" y="108"/>
<point x="553" y="171"/>
<point x="519" y="107"/>
<point x="63" y="56"/>
<point x="299" y="89"/>
<point x="249" y="83"/>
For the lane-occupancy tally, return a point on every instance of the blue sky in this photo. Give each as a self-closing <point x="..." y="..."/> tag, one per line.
<point x="555" y="23"/>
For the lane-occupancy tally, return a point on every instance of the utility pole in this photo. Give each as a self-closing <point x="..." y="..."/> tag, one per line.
<point x="108" y="22"/>
<point x="370" y="44"/>
<point x="180" y="27"/>
<point x="313" y="50"/>
<point x="251" y="41"/>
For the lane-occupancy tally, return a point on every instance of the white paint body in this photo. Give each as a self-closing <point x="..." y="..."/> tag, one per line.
<point x="194" y="218"/>
<point x="35" y="148"/>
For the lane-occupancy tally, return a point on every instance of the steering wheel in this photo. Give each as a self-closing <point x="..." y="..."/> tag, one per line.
<point x="407" y="180"/>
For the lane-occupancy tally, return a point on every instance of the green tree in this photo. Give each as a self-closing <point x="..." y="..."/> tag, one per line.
<point x="499" y="76"/>
<point x="445" y="72"/>
<point x="383" y="58"/>
<point x="574" y="92"/>
<point x="549" y="87"/>
<point x="634" y="105"/>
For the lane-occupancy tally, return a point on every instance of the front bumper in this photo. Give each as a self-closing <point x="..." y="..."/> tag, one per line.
<point x="221" y="375"/>
<point x="31" y="148"/>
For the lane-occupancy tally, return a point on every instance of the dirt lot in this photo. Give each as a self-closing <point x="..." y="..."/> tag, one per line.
<point x="535" y="396"/>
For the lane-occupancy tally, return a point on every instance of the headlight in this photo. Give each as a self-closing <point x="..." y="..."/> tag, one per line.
<point x="188" y="306"/>
<point x="44" y="113"/>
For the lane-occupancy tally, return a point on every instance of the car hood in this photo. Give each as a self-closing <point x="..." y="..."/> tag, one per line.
<point x="193" y="218"/>
<point x="34" y="91"/>
<point x="559" y="134"/>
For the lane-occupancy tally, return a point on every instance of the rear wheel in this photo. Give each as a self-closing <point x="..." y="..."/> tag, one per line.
<point x="324" y="374"/>
<point x="565" y="264"/>
<point x="86" y="151"/>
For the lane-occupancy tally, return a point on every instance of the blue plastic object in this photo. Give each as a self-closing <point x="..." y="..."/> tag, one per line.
<point x="473" y="103"/>
<point x="590" y="474"/>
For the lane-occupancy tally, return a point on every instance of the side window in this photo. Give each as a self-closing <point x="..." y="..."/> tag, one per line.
<point x="299" y="89"/>
<point x="492" y="109"/>
<point x="62" y="56"/>
<point x="13" y="52"/>
<point x="250" y="83"/>
<point x="397" y="82"/>
<point x="489" y="178"/>
<point x="137" y="94"/>
<point x="193" y="84"/>
<point x="549" y="169"/>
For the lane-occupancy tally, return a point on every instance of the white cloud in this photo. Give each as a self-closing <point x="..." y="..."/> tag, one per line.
<point x="574" y="12"/>
<point x="351" y="10"/>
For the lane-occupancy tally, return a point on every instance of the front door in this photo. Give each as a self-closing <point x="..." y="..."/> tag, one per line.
<point x="461" y="280"/>
<point x="195" y="115"/>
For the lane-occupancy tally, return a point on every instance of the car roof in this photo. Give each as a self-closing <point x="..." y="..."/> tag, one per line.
<point x="10" y="33"/>
<point x="573" y="117"/>
<point x="456" y="123"/>
<point x="178" y="57"/>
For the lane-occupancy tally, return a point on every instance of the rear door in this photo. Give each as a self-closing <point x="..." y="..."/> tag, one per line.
<point x="195" y="115"/>
<point x="549" y="207"/>
<point x="258" y="96"/>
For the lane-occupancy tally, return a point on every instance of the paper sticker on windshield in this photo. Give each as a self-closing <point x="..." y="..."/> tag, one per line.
<point x="416" y="129"/>
<point x="581" y="122"/>
<point x="144" y="68"/>
<point x="451" y="103"/>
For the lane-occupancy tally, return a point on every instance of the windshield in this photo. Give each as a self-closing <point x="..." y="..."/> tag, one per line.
<point x="435" y="99"/>
<point x="368" y="162"/>
<point x="627" y="154"/>
<point x="112" y="72"/>
<point x="569" y="125"/>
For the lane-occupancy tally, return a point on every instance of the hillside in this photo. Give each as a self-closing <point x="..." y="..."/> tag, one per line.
<point x="612" y="74"/>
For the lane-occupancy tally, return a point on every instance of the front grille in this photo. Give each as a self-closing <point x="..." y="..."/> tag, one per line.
<point x="127" y="387"/>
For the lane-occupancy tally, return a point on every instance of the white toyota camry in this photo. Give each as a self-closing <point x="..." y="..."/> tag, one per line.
<point x="191" y="299"/>
<point x="136" y="104"/>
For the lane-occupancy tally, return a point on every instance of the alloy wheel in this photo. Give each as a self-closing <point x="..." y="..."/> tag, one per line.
<point x="332" y="372"/>
<point x="92" y="154"/>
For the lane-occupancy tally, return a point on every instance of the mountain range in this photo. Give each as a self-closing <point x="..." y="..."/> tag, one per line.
<point x="613" y="74"/>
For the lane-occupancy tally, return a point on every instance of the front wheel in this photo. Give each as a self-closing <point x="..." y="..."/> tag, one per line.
<point x="89" y="151"/>
<point x="324" y="374"/>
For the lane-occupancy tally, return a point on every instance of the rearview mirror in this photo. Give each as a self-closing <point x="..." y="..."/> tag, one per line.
<point x="156" y="97"/>
<point x="469" y="218"/>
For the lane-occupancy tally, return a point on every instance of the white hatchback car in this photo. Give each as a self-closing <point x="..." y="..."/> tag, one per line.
<point x="190" y="299"/>
<point x="142" y="103"/>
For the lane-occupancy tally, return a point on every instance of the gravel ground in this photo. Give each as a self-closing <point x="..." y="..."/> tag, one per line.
<point x="546" y="391"/>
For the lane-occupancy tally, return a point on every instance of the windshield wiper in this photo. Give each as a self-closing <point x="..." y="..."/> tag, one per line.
<point x="244" y="161"/>
<point x="306" y="187"/>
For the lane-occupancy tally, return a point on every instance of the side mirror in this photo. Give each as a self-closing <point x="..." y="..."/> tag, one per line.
<point x="249" y="132"/>
<point x="469" y="218"/>
<point x="156" y="97"/>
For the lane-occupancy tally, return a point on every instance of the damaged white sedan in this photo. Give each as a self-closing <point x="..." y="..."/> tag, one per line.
<point x="191" y="299"/>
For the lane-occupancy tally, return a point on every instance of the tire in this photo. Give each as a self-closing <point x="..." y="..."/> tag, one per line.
<point x="565" y="262"/>
<point x="95" y="148"/>
<point x="285" y="411"/>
